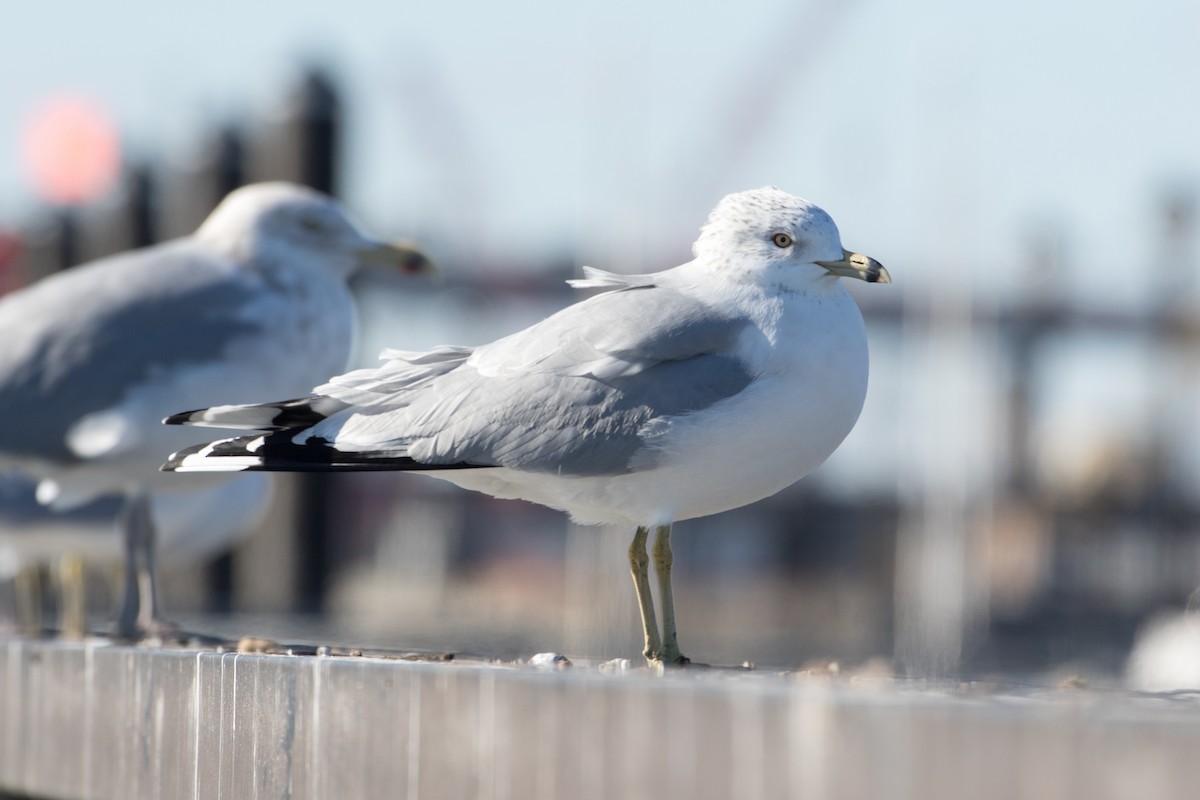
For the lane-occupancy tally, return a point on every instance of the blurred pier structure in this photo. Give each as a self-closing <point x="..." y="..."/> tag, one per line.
<point x="962" y="530"/>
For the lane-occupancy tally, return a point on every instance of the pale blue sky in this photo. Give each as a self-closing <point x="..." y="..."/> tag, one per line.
<point x="937" y="133"/>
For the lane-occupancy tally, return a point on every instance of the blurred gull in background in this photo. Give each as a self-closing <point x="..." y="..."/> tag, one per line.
<point x="251" y="306"/>
<point x="669" y="396"/>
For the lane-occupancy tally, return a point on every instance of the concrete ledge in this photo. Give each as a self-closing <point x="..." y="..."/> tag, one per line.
<point x="98" y="720"/>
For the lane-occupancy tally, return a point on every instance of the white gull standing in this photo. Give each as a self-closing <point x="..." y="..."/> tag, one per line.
<point x="253" y="305"/>
<point x="669" y="396"/>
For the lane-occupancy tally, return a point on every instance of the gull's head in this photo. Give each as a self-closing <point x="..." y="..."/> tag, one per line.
<point x="286" y="224"/>
<point x="768" y="234"/>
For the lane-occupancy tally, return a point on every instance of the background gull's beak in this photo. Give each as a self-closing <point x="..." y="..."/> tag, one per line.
<point x="408" y="258"/>
<point x="856" y="265"/>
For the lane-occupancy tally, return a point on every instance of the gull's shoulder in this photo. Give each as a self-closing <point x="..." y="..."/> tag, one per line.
<point x="638" y="321"/>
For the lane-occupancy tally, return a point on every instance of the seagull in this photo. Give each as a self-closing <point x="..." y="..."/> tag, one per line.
<point x="253" y="305"/>
<point x="664" y="397"/>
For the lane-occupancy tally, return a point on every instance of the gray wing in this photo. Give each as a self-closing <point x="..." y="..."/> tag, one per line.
<point x="78" y="342"/>
<point x="571" y="395"/>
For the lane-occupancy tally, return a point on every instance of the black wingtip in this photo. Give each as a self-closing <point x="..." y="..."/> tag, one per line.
<point x="182" y="418"/>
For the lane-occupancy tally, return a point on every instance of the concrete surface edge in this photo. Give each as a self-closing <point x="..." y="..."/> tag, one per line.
<point x="94" y="720"/>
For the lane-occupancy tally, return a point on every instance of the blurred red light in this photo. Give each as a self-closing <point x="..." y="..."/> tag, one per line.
<point x="71" y="151"/>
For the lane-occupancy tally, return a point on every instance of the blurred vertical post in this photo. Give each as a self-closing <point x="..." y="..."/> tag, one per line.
<point x="225" y="171"/>
<point x="1027" y="332"/>
<point x="65" y="232"/>
<point x="143" y="227"/>
<point x="317" y="130"/>
<point x="47" y="247"/>
<point x="936" y="592"/>
<point x="1175" y="435"/>
<point x="931" y="550"/>
<point x="302" y="146"/>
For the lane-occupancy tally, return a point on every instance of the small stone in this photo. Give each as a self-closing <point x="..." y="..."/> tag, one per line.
<point x="616" y="666"/>
<point x="255" y="644"/>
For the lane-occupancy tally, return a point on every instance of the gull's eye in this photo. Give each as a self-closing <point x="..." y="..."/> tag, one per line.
<point x="782" y="240"/>
<point x="310" y="224"/>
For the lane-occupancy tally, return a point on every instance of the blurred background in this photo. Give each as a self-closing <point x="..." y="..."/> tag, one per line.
<point x="1022" y="493"/>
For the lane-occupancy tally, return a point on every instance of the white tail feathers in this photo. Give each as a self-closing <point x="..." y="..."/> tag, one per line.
<point x="602" y="279"/>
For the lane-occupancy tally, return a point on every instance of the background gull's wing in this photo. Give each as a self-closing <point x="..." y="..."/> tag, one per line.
<point x="100" y="376"/>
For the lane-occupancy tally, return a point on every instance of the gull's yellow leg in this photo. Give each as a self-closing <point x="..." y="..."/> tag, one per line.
<point x="72" y="591"/>
<point x="663" y="558"/>
<point x="639" y="564"/>
<point x="27" y="585"/>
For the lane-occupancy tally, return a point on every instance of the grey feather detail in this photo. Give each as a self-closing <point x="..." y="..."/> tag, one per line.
<point x="576" y="425"/>
<point x="402" y="371"/>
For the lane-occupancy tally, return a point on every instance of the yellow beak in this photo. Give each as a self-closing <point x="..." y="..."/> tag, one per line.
<point x="856" y="265"/>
